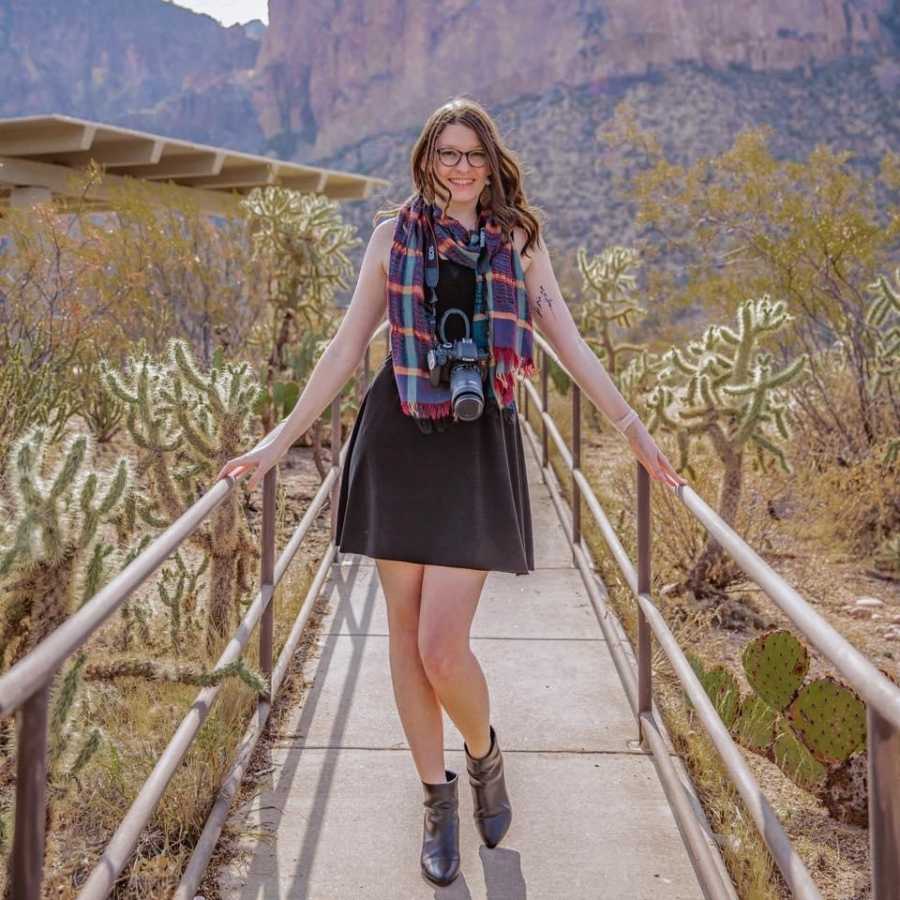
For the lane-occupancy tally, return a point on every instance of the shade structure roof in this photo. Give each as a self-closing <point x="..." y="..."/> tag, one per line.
<point x="44" y="151"/>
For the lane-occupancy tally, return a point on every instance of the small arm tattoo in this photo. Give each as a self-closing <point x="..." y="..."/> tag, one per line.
<point x="543" y="297"/>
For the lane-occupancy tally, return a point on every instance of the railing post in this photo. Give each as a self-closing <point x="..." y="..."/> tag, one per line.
<point x="576" y="465"/>
<point x="884" y="806"/>
<point x="645" y="683"/>
<point x="31" y="797"/>
<point x="267" y="569"/>
<point x="335" y="454"/>
<point x="545" y="449"/>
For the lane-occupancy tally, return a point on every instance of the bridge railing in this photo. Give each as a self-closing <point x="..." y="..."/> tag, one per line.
<point x="881" y="696"/>
<point x="25" y="687"/>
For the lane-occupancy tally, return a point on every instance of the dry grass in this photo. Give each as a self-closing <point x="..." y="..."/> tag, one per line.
<point x="806" y="531"/>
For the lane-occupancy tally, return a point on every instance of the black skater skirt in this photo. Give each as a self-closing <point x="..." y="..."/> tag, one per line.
<point x="457" y="497"/>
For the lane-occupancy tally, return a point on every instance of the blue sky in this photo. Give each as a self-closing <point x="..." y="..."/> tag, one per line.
<point x="230" y="11"/>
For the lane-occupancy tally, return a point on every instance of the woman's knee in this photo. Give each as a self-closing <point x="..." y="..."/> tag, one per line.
<point x="449" y="599"/>
<point x="442" y="656"/>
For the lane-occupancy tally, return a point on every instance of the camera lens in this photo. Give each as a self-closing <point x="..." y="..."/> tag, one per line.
<point x="466" y="392"/>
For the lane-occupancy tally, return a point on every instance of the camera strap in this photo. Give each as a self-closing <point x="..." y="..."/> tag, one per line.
<point x="432" y="275"/>
<point x="431" y="282"/>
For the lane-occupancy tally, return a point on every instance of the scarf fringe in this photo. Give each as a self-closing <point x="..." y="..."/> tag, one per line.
<point x="426" y="410"/>
<point x="511" y="360"/>
<point x="507" y="359"/>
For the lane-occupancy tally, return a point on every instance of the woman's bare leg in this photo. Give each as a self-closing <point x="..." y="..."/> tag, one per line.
<point x="449" y="599"/>
<point x="418" y="706"/>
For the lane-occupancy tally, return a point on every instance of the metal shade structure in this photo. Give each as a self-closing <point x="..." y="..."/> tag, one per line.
<point x="40" y="154"/>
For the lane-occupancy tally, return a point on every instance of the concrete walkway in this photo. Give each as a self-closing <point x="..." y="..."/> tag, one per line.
<point x="340" y="815"/>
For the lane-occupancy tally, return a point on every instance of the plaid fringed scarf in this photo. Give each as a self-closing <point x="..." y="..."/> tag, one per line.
<point x="502" y="322"/>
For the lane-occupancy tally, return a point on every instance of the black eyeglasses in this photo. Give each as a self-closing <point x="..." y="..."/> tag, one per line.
<point x="449" y="156"/>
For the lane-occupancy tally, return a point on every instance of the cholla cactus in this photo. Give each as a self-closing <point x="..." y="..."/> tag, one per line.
<point x="815" y="732"/>
<point x="32" y="394"/>
<point x="178" y="588"/>
<point x="304" y="242"/>
<point x="610" y="303"/>
<point x="717" y="389"/>
<point x="639" y="376"/>
<point x="188" y="424"/>
<point x="153" y="432"/>
<point x="162" y="671"/>
<point x="213" y="412"/>
<point x="55" y="541"/>
<point x="883" y="315"/>
<point x="52" y="554"/>
<point x="70" y="747"/>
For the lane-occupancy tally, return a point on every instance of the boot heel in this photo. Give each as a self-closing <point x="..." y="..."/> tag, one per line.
<point x="491" y="807"/>
<point x="440" y="831"/>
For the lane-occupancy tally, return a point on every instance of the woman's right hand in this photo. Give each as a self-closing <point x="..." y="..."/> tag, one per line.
<point x="260" y="458"/>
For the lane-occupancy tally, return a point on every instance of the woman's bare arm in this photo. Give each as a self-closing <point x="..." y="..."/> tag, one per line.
<point x="551" y="316"/>
<point x="345" y="350"/>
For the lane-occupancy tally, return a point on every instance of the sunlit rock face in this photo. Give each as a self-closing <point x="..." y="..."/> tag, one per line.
<point x="148" y="65"/>
<point x="331" y="72"/>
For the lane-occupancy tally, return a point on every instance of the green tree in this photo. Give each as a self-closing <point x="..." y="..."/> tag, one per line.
<point x="813" y="232"/>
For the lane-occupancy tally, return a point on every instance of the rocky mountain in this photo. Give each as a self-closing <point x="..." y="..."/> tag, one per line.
<point x="336" y="71"/>
<point x="138" y="63"/>
<point x="348" y="83"/>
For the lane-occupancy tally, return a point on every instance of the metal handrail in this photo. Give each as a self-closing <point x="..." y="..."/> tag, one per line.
<point x="880" y="694"/>
<point x="25" y="687"/>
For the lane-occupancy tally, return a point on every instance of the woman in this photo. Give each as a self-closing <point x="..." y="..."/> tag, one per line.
<point x="434" y="486"/>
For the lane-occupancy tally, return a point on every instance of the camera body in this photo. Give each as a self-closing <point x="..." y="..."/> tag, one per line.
<point x="464" y="367"/>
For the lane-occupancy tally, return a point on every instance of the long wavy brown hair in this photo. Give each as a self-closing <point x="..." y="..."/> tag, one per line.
<point x="505" y="195"/>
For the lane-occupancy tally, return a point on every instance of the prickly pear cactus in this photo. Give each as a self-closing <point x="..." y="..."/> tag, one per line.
<point x="775" y="665"/>
<point x="815" y="733"/>
<point x="845" y="792"/>
<point x="830" y="720"/>
<point x="754" y="726"/>
<point x="793" y="758"/>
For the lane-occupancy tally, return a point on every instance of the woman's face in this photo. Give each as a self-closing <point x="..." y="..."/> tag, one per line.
<point x="465" y="177"/>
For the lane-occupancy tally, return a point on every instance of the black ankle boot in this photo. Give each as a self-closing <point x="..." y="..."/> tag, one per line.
<point x="492" y="811"/>
<point x="440" y="831"/>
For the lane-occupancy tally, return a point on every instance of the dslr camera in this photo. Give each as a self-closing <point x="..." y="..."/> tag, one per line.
<point x="463" y="366"/>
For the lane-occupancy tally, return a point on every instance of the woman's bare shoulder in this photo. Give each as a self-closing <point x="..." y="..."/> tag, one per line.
<point x="383" y="235"/>
<point x="519" y="238"/>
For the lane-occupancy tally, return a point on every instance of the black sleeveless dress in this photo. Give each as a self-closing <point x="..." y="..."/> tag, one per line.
<point x="456" y="497"/>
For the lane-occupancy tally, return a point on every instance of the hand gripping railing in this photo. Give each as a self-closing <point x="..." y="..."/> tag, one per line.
<point x="881" y="696"/>
<point x="25" y="688"/>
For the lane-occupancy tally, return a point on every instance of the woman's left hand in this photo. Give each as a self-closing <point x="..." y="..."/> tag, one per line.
<point x="653" y="459"/>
